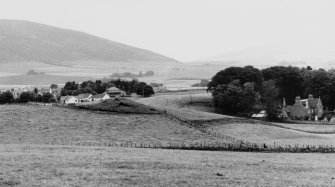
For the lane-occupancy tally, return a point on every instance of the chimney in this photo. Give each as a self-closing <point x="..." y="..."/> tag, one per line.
<point x="284" y="102"/>
<point x="310" y="96"/>
<point x="297" y="99"/>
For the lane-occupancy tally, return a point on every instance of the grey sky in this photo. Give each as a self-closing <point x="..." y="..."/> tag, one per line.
<point x="185" y="29"/>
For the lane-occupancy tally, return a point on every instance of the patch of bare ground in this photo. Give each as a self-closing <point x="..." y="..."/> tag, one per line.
<point x="31" y="165"/>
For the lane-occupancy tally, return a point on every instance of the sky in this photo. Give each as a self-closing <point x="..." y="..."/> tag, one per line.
<point x="186" y="30"/>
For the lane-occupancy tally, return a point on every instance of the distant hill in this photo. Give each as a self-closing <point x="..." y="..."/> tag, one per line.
<point x="39" y="79"/>
<point x="315" y="54"/>
<point x="24" y="41"/>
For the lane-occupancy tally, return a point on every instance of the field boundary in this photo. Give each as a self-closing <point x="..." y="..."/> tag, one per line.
<point x="203" y="146"/>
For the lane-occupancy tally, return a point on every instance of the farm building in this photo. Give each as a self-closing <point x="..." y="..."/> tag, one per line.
<point x="84" y="97"/>
<point x="68" y="100"/>
<point x="100" y="97"/>
<point x="261" y="115"/>
<point x="114" y="91"/>
<point x="310" y="108"/>
<point x="42" y="91"/>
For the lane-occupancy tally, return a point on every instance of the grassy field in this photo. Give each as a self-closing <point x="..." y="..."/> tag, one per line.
<point x="192" y="107"/>
<point x="177" y="104"/>
<point x="259" y="133"/>
<point x="310" y="127"/>
<point x="48" y="124"/>
<point x="31" y="165"/>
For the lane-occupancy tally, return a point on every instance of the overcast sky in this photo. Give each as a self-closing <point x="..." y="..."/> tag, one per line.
<point x="185" y="29"/>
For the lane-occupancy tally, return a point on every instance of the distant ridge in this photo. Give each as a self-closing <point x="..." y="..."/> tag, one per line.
<point x="25" y="41"/>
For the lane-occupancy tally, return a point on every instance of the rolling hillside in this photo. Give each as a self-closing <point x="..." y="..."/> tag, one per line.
<point x="23" y="41"/>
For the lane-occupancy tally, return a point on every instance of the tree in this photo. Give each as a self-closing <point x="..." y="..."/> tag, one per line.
<point x="140" y="88"/>
<point x="271" y="101"/>
<point x="149" y="73"/>
<point x="148" y="91"/>
<point x="6" y="97"/>
<point x="71" y="85"/>
<point x="26" y="97"/>
<point x="289" y="81"/>
<point x="53" y="86"/>
<point x="47" y="98"/>
<point x="245" y="74"/>
<point x="233" y="98"/>
<point x="32" y="72"/>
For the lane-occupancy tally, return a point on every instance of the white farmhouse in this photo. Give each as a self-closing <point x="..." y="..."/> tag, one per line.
<point x="100" y="97"/>
<point x="68" y="100"/>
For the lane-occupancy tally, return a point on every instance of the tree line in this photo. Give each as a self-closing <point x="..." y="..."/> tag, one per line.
<point x="98" y="87"/>
<point x="8" y="97"/>
<point x="243" y="90"/>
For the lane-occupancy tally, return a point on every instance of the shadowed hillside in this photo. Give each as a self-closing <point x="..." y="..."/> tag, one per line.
<point x="23" y="41"/>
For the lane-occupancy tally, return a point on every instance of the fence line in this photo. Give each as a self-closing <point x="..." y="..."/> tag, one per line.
<point x="214" y="146"/>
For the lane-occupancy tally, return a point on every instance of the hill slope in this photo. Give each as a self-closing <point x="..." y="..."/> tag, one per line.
<point x="23" y="41"/>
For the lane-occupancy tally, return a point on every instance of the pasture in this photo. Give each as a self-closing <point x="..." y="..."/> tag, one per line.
<point x="47" y="124"/>
<point x="177" y="104"/>
<point x="185" y="107"/>
<point x="38" y="165"/>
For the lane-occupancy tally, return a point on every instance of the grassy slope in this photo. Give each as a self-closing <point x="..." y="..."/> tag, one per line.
<point x="249" y="130"/>
<point x="122" y="105"/>
<point x="176" y="104"/>
<point x="259" y="133"/>
<point x="28" y="165"/>
<point x="41" y="125"/>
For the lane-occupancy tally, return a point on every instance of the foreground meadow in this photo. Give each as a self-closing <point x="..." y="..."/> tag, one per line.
<point x="30" y="165"/>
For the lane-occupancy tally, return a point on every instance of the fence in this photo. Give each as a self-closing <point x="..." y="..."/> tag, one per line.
<point x="203" y="146"/>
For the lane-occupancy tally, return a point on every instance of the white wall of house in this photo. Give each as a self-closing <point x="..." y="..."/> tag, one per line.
<point x="106" y="96"/>
<point x="71" y="100"/>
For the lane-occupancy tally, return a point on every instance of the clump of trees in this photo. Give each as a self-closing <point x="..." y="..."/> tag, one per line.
<point x="234" y="98"/>
<point x="6" y="97"/>
<point x="133" y="75"/>
<point x="98" y="87"/>
<point x="270" y="86"/>
<point x="33" y="72"/>
<point x="203" y="83"/>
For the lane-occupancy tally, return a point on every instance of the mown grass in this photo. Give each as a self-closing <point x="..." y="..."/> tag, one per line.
<point x="29" y="165"/>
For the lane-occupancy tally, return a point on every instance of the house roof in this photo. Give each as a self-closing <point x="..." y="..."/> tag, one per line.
<point x="298" y="110"/>
<point x="44" y="90"/>
<point x="312" y="102"/>
<point x="98" y="96"/>
<point x="83" y="96"/>
<point x="67" y="98"/>
<point x="287" y="108"/>
<point x="113" y="89"/>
